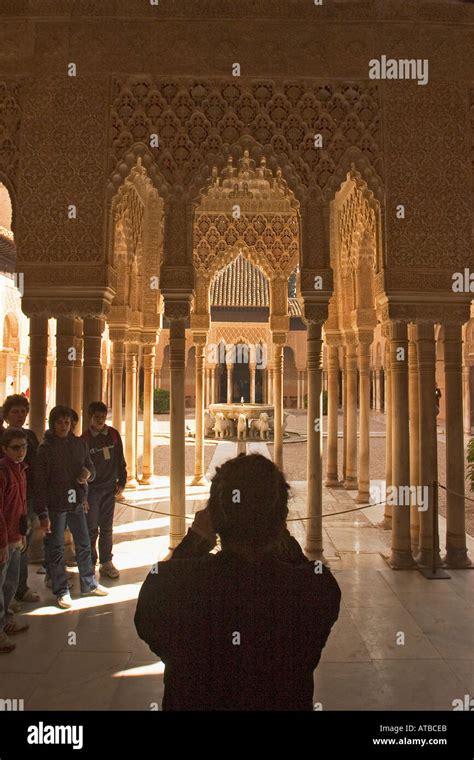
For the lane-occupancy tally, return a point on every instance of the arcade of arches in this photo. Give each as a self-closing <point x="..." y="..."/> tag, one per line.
<point x="206" y="215"/>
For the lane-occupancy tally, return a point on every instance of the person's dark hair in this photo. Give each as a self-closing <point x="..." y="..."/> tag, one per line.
<point x="10" y="434"/>
<point x="16" y="399"/>
<point x="56" y="413"/>
<point x="74" y="416"/>
<point x="248" y="502"/>
<point x="96" y="406"/>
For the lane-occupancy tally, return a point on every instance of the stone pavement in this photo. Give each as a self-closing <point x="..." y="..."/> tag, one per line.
<point x="91" y="658"/>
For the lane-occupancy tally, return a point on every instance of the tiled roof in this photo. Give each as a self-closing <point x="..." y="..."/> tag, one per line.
<point x="241" y="283"/>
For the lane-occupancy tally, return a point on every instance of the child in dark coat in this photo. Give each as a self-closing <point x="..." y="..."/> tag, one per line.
<point x="106" y="451"/>
<point x="63" y="467"/>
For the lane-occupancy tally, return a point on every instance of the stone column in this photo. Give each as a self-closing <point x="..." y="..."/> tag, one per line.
<point x="456" y="550"/>
<point x="401" y="556"/>
<point x="344" y="409"/>
<point x="131" y="370"/>
<point x="200" y="345"/>
<point x="177" y="430"/>
<point x="148" y="468"/>
<point x="65" y="357"/>
<point x="278" y="403"/>
<point x="298" y="397"/>
<point x="213" y="385"/>
<point x="92" y="373"/>
<point x="363" y="358"/>
<point x="350" y="482"/>
<point x="118" y="356"/>
<point x="38" y="367"/>
<point x="377" y="396"/>
<point x="252" y="383"/>
<point x="426" y="351"/>
<point x="314" y="530"/>
<point x="386" y="523"/>
<point x="230" y="372"/>
<point x="270" y="385"/>
<point x="414" y="416"/>
<point x="333" y="407"/>
<point x="77" y="373"/>
<point x="158" y="378"/>
<point x="466" y="381"/>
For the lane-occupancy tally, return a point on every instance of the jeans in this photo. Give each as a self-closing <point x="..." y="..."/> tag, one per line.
<point x="54" y="551"/>
<point x="23" y="580"/>
<point x="100" y="521"/>
<point x="9" y="572"/>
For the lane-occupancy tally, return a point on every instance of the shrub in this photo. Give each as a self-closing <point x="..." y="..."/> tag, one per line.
<point x="161" y="401"/>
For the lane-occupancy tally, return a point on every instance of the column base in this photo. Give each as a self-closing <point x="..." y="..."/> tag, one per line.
<point x="363" y="497"/>
<point x="401" y="560"/>
<point x="332" y="482"/>
<point x="457" y="558"/>
<point x="147" y="480"/>
<point x="315" y="555"/>
<point x="386" y="523"/>
<point x="350" y="484"/>
<point x="199" y="480"/>
<point x="131" y="483"/>
<point x="424" y="558"/>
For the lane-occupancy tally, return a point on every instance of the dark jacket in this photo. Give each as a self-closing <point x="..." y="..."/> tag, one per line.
<point x="59" y="462"/>
<point x="111" y="469"/>
<point x="29" y="460"/>
<point x="12" y="501"/>
<point x="236" y="635"/>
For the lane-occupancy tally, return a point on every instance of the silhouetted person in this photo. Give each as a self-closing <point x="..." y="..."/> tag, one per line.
<point x="242" y="629"/>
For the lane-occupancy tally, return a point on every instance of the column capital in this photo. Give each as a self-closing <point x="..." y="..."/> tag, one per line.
<point x="177" y="310"/>
<point x="200" y="338"/>
<point x="279" y="338"/>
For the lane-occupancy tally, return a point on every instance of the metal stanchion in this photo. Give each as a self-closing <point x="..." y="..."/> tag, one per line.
<point x="434" y="573"/>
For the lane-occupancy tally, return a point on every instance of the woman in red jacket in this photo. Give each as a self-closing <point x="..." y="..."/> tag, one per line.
<point x="13" y="528"/>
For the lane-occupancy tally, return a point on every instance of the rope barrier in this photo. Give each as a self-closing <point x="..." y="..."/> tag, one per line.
<point x="293" y="519"/>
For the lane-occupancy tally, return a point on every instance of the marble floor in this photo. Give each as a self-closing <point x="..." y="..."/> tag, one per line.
<point x="402" y="642"/>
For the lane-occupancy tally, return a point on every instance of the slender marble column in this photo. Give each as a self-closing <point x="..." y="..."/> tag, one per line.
<point x="92" y="373"/>
<point x="344" y="409"/>
<point x="401" y="556"/>
<point x="230" y="390"/>
<point x="252" y="383"/>
<point x="77" y="372"/>
<point x="363" y="357"/>
<point x="428" y="439"/>
<point x="118" y="357"/>
<point x="333" y="407"/>
<point x="350" y="482"/>
<point x="314" y="525"/>
<point x="278" y="404"/>
<point x="270" y="385"/>
<point x="199" y="478"/>
<point x="38" y="367"/>
<point x="213" y="385"/>
<point x="177" y="433"/>
<point x="148" y="388"/>
<point x="386" y="523"/>
<point x="414" y="411"/>
<point x="456" y="550"/>
<point x="131" y="371"/>
<point x="466" y="379"/>
<point x="65" y="357"/>
<point x="298" y="398"/>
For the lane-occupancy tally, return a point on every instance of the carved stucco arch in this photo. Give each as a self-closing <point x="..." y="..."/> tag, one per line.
<point x="355" y="245"/>
<point x="136" y="244"/>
